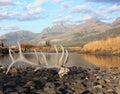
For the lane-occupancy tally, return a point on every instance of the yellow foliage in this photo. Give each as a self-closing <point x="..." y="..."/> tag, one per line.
<point x="109" y="45"/>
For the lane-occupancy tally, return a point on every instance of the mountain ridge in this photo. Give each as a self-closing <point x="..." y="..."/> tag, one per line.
<point x="65" y="34"/>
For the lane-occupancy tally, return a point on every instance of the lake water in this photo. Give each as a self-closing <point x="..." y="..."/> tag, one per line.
<point x="75" y="59"/>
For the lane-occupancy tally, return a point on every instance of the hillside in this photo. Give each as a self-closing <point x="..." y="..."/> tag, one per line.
<point x="22" y="36"/>
<point x="66" y="34"/>
<point x="109" y="45"/>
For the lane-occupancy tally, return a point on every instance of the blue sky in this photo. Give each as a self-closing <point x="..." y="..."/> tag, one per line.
<point x="35" y="15"/>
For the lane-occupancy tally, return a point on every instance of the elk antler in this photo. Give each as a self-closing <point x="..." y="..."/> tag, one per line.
<point x="44" y="57"/>
<point x="39" y="67"/>
<point x="62" y="65"/>
<point x="20" y="58"/>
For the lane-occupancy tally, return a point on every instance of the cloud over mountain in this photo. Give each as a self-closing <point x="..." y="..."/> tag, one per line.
<point x="44" y="13"/>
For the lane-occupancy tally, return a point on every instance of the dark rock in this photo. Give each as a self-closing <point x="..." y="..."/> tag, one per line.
<point x="13" y="93"/>
<point x="39" y="92"/>
<point x="11" y="84"/>
<point x="47" y="81"/>
<point x="23" y="90"/>
<point x="29" y="84"/>
<point x="86" y="92"/>
<point x="49" y="88"/>
<point x="9" y="90"/>
<point x="38" y="84"/>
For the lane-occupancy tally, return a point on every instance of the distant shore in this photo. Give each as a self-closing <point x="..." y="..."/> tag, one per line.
<point x="4" y="50"/>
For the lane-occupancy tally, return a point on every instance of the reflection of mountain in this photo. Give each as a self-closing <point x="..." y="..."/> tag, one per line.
<point x="103" y="61"/>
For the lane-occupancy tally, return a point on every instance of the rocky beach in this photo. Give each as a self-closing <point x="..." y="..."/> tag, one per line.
<point x="23" y="80"/>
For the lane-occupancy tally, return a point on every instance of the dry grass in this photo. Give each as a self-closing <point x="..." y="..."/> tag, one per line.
<point x="109" y="45"/>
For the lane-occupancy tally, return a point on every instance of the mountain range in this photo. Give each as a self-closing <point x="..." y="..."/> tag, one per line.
<point x="66" y="34"/>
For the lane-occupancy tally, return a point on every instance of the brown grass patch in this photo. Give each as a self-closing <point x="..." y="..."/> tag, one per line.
<point x="107" y="45"/>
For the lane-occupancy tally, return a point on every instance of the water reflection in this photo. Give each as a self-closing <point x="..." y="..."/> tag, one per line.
<point x="103" y="61"/>
<point x="75" y="59"/>
<point x="4" y="59"/>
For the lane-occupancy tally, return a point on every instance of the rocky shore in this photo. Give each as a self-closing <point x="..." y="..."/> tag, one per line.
<point x="24" y="80"/>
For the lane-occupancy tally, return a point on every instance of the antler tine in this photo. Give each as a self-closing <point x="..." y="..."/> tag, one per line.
<point x="21" y="58"/>
<point x="57" y="63"/>
<point x="60" y="60"/>
<point x="13" y="61"/>
<point x="11" y="55"/>
<point x="44" y="58"/>
<point x="37" y="57"/>
<point x="66" y="58"/>
<point x="37" y="69"/>
<point x="19" y="48"/>
<point x="9" y="67"/>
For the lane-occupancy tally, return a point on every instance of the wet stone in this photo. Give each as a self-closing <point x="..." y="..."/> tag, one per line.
<point x="47" y="81"/>
<point x="29" y="84"/>
<point x="11" y="84"/>
<point x="1" y="92"/>
<point x="98" y="86"/>
<point x="9" y="90"/>
<point x="86" y="92"/>
<point x="13" y="93"/>
<point x="23" y="90"/>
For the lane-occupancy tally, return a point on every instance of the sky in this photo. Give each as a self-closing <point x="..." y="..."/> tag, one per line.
<point x="35" y="15"/>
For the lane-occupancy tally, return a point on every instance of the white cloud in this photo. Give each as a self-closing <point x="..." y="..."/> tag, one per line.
<point x="58" y="1"/>
<point x="62" y="20"/>
<point x="8" y="15"/>
<point x="31" y="15"/>
<point x="10" y="27"/>
<point x="6" y="3"/>
<point x="114" y="8"/>
<point x="81" y="8"/>
<point x="36" y="11"/>
<point x="27" y="17"/>
<point x="64" y="5"/>
<point x="105" y="1"/>
<point x="83" y="18"/>
<point x="35" y="4"/>
<point x="98" y="14"/>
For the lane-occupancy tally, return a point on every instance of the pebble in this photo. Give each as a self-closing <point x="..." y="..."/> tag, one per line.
<point x="11" y="84"/>
<point x="1" y="92"/>
<point x="46" y="81"/>
<point x="29" y="84"/>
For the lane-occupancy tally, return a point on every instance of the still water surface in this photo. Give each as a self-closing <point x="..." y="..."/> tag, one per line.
<point x="75" y="59"/>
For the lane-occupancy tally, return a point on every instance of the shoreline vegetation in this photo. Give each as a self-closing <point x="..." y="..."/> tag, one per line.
<point x="24" y="80"/>
<point x="106" y="46"/>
